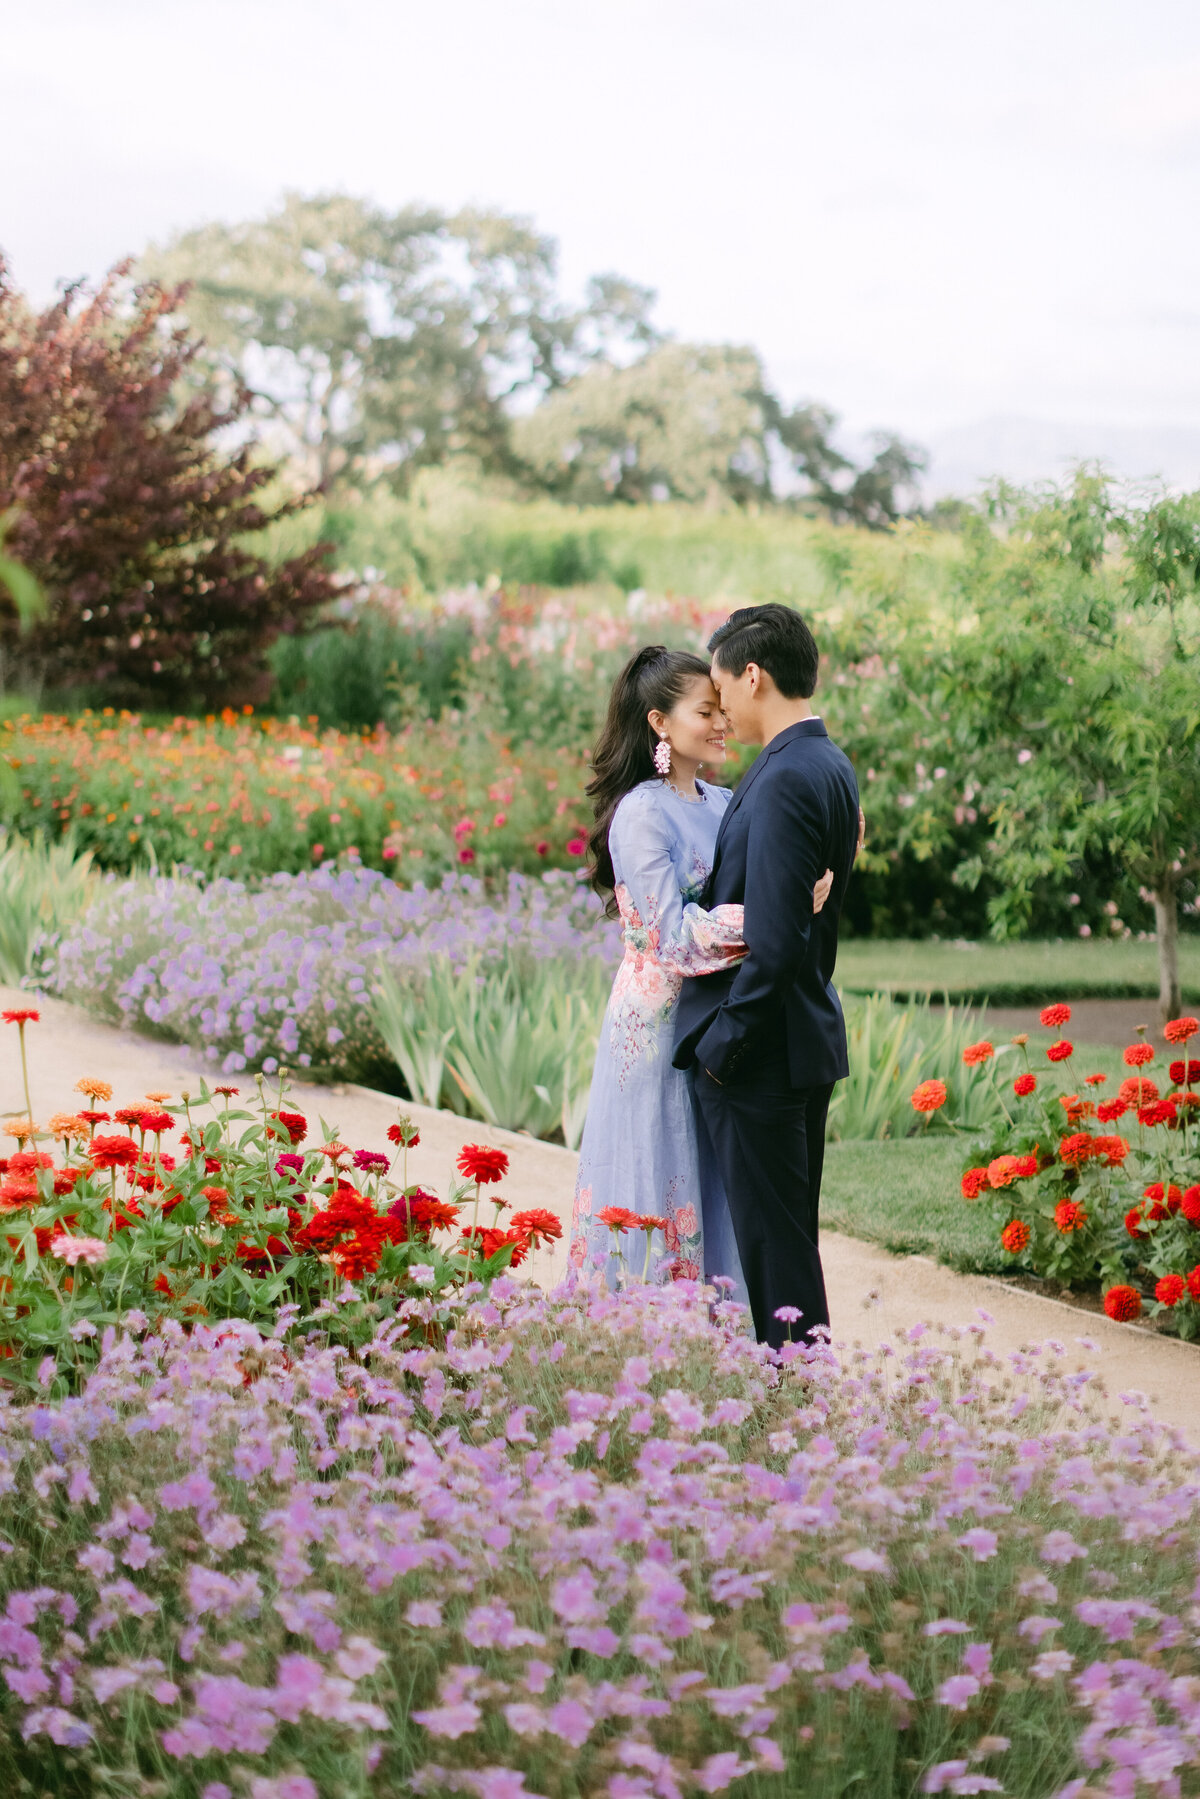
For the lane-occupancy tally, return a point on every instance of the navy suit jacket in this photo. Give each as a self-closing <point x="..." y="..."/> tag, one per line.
<point x="793" y="815"/>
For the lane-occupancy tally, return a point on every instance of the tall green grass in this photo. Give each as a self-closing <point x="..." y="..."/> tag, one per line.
<point x="43" y="888"/>
<point x="514" y="1046"/>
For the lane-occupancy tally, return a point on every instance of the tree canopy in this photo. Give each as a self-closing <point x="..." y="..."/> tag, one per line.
<point x="376" y="343"/>
<point x="1054" y="711"/>
<point x="136" y="528"/>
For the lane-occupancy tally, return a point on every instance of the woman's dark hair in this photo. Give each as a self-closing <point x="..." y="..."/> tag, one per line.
<point x="654" y="680"/>
<point x="777" y="639"/>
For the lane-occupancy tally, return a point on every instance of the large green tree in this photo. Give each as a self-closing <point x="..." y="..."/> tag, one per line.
<point x="1052" y="712"/>
<point x="684" y="422"/>
<point x="376" y="342"/>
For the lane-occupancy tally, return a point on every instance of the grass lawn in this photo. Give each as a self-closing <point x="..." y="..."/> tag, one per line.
<point x="905" y="1196"/>
<point x="1012" y="974"/>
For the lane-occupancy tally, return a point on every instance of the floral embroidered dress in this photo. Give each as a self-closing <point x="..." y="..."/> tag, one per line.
<point x="641" y="1143"/>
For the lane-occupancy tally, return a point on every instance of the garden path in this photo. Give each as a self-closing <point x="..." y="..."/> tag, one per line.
<point x="900" y="1291"/>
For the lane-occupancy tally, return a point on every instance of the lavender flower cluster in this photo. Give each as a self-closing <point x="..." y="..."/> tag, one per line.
<point x="595" y="1543"/>
<point x="282" y="973"/>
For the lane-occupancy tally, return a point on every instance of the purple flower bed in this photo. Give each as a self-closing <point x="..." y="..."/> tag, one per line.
<point x="544" y="1545"/>
<point x="282" y="973"/>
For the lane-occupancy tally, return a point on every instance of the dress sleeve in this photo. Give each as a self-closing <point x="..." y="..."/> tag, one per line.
<point x="683" y="940"/>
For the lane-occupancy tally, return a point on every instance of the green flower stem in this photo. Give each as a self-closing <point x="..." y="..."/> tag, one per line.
<point x="25" y="1070"/>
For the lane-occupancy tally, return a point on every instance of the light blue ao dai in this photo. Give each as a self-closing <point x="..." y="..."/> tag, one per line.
<point x="642" y="1143"/>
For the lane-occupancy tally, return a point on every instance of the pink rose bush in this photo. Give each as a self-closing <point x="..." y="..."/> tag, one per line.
<point x="518" y="1544"/>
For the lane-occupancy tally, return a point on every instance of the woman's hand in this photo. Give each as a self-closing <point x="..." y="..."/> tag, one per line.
<point x="824" y="886"/>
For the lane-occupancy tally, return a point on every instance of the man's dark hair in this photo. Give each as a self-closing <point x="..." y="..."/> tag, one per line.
<point x="777" y="639"/>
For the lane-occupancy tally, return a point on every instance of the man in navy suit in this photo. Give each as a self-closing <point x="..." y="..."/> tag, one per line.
<point x="767" y="1040"/>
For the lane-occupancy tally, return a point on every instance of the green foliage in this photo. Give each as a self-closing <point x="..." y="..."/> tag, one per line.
<point x="890" y="1049"/>
<point x="513" y="1045"/>
<point x="44" y="888"/>
<point x="1044" y="730"/>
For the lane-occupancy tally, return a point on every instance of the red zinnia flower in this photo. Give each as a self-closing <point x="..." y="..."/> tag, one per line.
<point x="1137" y="1056"/>
<point x="1109" y="1110"/>
<point x="1111" y="1151"/>
<point x="113" y="1152"/>
<point x="539" y="1223"/>
<point x="617" y="1218"/>
<point x="1055" y="1016"/>
<point x="1134" y="1220"/>
<point x="227" y="1092"/>
<point x="163" y="1285"/>
<point x="1060" y="1051"/>
<point x="1068" y="1217"/>
<point x="20" y="1017"/>
<point x="929" y="1096"/>
<point x="95" y="1118"/>
<point x="65" y="1179"/>
<point x="1095" y="1080"/>
<point x="1123" y="1304"/>
<point x="28" y="1161"/>
<point x="427" y="1213"/>
<point x="129" y="1116"/>
<point x="1076" y="1149"/>
<point x="1003" y="1171"/>
<point x="294" y="1123"/>
<point x="1189" y="1205"/>
<point x="1076" y="1108"/>
<point x="1176" y="1030"/>
<point x="1137" y="1090"/>
<point x="403" y="1136"/>
<point x="1171" y="1198"/>
<point x="1024" y="1084"/>
<point x="1169" y="1290"/>
<point x="1015" y="1236"/>
<point x="481" y="1164"/>
<point x="155" y="1123"/>
<point x="1193" y="1282"/>
<point x="1159" y="1111"/>
<point x="1184" y="1072"/>
<point x="976" y="1054"/>
<point x="973" y="1182"/>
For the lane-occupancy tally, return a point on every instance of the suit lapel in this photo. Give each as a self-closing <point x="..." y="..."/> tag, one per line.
<point x="740" y="791"/>
<point x="812" y="727"/>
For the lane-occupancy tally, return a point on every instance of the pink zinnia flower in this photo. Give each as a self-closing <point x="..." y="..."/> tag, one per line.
<point x="79" y="1249"/>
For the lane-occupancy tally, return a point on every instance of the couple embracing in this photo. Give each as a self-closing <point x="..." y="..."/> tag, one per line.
<point x="724" y="1036"/>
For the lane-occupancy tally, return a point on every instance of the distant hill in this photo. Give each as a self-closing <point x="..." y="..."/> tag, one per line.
<point x="1026" y="450"/>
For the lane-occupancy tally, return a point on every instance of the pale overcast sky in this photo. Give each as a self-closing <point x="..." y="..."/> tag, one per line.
<point x="926" y="214"/>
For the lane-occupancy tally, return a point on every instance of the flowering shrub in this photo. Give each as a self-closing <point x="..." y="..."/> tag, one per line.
<point x="243" y="796"/>
<point x="1089" y="1189"/>
<point x="588" y="1543"/>
<point x="209" y="1209"/>
<point x="285" y="973"/>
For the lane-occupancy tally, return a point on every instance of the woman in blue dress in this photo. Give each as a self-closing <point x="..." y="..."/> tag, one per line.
<point x="652" y="852"/>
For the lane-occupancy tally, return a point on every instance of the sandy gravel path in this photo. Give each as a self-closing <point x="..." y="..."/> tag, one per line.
<point x="900" y="1291"/>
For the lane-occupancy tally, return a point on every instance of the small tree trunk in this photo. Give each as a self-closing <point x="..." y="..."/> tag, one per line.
<point x="1166" y="928"/>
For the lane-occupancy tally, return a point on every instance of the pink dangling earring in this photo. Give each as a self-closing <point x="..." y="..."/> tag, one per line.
<point x="662" y="757"/>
